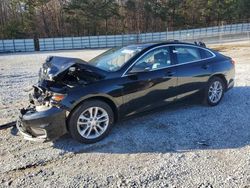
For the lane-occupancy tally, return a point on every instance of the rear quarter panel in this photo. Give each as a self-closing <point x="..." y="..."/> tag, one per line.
<point x="223" y="66"/>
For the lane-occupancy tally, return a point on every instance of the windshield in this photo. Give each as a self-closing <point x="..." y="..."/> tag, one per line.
<point x="114" y="59"/>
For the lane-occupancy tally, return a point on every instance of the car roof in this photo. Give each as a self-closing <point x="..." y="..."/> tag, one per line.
<point x="150" y="45"/>
<point x="141" y="45"/>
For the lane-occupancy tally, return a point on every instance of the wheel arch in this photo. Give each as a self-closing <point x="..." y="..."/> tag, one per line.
<point x="221" y="76"/>
<point x="105" y="99"/>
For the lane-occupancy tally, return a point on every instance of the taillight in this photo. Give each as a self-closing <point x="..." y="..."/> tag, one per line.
<point x="233" y="62"/>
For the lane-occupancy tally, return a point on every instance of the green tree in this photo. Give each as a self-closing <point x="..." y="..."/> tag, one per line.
<point x="243" y="9"/>
<point x="94" y="12"/>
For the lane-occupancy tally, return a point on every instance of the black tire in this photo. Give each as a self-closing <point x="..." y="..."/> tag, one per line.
<point x="207" y="100"/>
<point x="73" y="119"/>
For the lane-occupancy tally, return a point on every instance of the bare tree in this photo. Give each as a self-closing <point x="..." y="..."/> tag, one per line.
<point x="58" y="18"/>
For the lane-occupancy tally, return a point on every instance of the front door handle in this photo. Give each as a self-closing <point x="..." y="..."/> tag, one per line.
<point x="206" y="66"/>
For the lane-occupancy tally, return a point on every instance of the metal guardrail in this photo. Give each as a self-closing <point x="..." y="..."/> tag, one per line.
<point x="108" y="41"/>
<point x="17" y="45"/>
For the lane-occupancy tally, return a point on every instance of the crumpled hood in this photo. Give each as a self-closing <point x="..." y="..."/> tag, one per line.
<point x="55" y="67"/>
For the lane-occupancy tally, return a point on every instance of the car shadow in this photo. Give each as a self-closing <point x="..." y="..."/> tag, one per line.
<point x="180" y="127"/>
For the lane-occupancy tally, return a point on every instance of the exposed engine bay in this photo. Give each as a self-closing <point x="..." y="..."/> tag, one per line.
<point x="68" y="71"/>
<point x="60" y="74"/>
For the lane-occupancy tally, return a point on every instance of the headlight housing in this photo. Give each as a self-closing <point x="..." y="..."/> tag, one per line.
<point x="57" y="97"/>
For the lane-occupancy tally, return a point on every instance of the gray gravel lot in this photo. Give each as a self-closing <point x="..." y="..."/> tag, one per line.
<point x="181" y="145"/>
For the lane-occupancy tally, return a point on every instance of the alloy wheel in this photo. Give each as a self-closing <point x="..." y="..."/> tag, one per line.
<point x="215" y="92"/>
<point x="93" y="122"/>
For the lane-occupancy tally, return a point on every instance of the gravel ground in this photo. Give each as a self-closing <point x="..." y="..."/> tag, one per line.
<point x="182" y="145"/>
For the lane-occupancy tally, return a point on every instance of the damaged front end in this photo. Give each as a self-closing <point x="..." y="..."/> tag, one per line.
<point x="42" y="120"/>
<point x="45" y="118"/>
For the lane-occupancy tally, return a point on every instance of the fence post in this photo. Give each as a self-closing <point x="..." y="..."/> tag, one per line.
<point x="63" y="43"/>
<point x="117" y="40"/>
<point x="54" y="48"/>
<point x="81" y="43"/>
<point x="72" y="42"/>
<point x="14" y="45"/>
<point x="98" y="40"/>
<point x="187" y="34"/>
<point x="137" y="37"/>
<point x="122" y="39"/>
<point x="25" y="45"/>
<point x="3" y="45"/>
<point x="106" y="41"/>
<point x="44" y="44"/>
<point x="89" y="42"/>
<point x="220" y="33"/>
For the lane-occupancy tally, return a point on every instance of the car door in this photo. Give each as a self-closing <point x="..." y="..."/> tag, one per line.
<point x="193" y="70"/>
<point x="150" y="82"/>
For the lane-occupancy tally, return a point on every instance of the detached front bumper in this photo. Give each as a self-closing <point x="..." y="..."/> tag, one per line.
<point x="43" y="125"/>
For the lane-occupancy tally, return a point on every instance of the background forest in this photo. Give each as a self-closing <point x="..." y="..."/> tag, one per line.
<point x="60" y="18"/>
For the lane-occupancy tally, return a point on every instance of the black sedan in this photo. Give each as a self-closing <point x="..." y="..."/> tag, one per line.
<point x="87" y="98"/>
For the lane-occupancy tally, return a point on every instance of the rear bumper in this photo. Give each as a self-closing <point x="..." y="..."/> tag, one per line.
<point x="45" y="125"/>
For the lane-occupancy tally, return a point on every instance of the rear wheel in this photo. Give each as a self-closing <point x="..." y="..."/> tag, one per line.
<point x="214" y="91"/>
<point x="91" y="122"/>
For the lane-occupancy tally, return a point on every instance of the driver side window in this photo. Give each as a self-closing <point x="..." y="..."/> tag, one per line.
<point x="156" y="59"/>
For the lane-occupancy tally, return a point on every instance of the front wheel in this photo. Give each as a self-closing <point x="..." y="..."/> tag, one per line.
<point x="214" y="91"/>
<point x="91" y="122"/>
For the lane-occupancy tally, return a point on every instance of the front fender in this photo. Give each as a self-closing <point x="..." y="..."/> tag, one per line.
<point x="80" y="94"/>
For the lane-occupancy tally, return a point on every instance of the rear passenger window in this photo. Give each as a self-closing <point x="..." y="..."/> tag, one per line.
<point x="206" y="54"/>
<point x="187" y="54"/>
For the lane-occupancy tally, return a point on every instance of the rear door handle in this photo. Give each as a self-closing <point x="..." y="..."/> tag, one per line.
<point x="170" y="73"/>
<point x="206" y="66"/>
